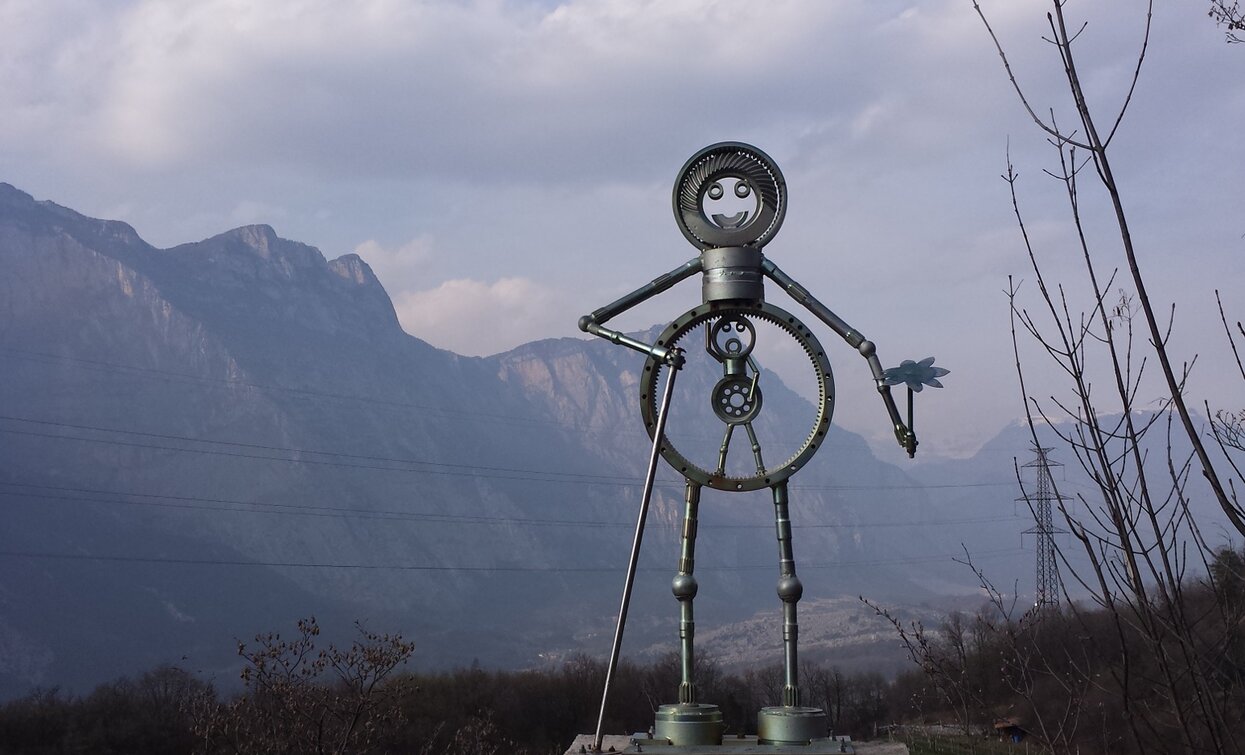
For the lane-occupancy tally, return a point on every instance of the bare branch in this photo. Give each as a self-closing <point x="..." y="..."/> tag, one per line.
<point x="1062" y="138"/>
<point x="1132" y="87"/>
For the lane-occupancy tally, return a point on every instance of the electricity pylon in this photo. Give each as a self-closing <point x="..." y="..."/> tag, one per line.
<point x="1046" y="570"/>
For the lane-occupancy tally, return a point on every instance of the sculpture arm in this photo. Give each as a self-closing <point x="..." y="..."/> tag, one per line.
<point x="595" y="322"/>
<point x="867" y="349"/>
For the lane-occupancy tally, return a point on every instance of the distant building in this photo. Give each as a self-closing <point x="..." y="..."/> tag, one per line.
<point x="1010" y="730"/>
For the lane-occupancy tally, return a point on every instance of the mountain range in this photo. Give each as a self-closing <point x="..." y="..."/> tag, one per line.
<point x="205" y="442"/>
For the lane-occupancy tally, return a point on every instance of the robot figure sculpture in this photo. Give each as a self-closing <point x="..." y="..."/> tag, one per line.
<point x="750" y="192"/>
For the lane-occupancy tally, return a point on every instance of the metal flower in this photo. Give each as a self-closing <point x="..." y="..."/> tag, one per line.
<point x="917" y="375"/>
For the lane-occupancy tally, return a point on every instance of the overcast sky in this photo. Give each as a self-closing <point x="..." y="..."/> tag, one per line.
<point x="506" y="166"/>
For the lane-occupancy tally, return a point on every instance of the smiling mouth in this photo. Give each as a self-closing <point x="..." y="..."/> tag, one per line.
<point x="731" y="221"/>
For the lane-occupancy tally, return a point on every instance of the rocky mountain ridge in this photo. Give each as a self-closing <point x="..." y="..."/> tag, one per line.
<point x="204" y="442"/>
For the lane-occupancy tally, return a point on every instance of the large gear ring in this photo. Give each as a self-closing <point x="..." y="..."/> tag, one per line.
<point x="707" y="315"/>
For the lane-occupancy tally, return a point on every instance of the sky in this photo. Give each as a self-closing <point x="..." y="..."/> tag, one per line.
<point x="506" y="165"/>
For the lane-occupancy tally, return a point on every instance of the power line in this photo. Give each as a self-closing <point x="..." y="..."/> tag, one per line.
<point x="279" y="509"/>
<point x="474" y="415"/>
<point x="38" y="356"/>
<point x="934" y="486"/>
<point x="286" y="449"/>
<point x="426" y="408"/>
<point x="539" y="476"/>
<point x="437" y="468"/>
<point x="481" y="569"/>
<point x="288" y="509"/>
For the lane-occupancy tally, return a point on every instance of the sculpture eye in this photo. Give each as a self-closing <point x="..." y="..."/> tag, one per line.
<point x="742" y="189"/>
<point x="716" y="191"/>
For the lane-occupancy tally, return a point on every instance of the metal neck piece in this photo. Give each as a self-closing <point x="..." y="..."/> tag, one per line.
<point x="732" y="273"/>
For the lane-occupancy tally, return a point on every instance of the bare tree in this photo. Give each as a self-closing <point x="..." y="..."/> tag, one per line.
<point x="1231" y="16"/>
<point x="1147" y="644"/>
<point x="1229" y="427"/>
<point x="943" y="656"/>
<point x="1088" y="139"/>
<point x="303" y="699"/>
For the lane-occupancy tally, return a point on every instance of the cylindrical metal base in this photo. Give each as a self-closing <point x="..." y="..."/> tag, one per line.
<point x="789" y="725"/>
<point x="690" y="724"/>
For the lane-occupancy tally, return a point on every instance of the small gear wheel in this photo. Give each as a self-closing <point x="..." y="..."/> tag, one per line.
<point x="736" y="400"/>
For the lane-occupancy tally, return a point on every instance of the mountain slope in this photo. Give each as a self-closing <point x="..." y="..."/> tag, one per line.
<point x="203" y="442"/>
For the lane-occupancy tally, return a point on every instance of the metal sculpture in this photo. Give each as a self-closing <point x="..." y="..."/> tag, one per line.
<point x="729" y="201"/>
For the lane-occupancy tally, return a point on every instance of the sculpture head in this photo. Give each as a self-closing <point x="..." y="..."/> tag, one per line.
<point x="729" y="194"/>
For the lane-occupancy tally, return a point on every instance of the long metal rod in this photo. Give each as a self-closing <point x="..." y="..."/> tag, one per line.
<point x="649" y="479"/>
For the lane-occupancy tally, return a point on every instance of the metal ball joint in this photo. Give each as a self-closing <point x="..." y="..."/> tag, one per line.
<point x="684" y="586"/>
<point x="790" y="589"/>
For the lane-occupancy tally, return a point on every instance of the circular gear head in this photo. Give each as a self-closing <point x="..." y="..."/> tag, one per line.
<point x="729" y="194"/>
<point x="758" y="448"/>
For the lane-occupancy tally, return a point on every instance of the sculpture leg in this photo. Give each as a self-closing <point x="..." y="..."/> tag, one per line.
<point x="684" y="588"/>
<point x="789" y="723"/>
<point x="789" y="591"/>
<point x="688" y="722"/>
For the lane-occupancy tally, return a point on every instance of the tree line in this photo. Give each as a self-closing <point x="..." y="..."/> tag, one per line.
<point x="1077" y="679"/>
<point x="1071" y="676"/>
<point x="300" y="696"/>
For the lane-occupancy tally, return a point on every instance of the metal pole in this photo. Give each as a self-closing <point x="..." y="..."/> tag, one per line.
<point x="649" y="479"/>
<point x="911" y="424"/>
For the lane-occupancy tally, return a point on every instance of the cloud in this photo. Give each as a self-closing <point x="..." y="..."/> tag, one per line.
<point x="478" y="318"/>
<point x="492" y="90"/>
<point x="398" y="266"/>
<point x="249" y="211"/>
<point x="443" y="91"/>
<point x="494" y="151"/>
